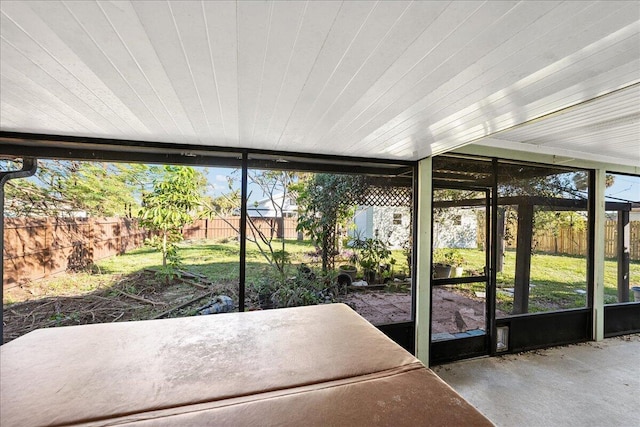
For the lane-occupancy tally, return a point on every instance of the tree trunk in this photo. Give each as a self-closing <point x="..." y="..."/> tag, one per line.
<point x="164" y="249"/>
<point x="325" y="252"/>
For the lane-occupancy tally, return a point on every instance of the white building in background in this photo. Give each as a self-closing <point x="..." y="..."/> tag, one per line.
<point x="278" y="207"/>
<point x="457" y="229"/>
<point x="389" y="224"/>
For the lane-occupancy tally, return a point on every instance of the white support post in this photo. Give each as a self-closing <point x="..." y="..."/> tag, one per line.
<point x="598" y="256"/>
<point x="423" y="262"/>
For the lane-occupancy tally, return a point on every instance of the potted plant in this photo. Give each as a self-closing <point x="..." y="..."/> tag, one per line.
<point x="371" y="254"/>
<point x="442" y="262"/>
<point x="369" y="270"/>
<point x="457" y="263"/>
<point x="349" y="270"/>
<point x="389" y="273"/>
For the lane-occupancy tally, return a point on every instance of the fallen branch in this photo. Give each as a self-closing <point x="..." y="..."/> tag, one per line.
<point x="38" y="308"/>
<point x="178" y="307"/>
<point x="189" y="282"/>
<point x="190" y="275"/>
<point x="137" y="298"/>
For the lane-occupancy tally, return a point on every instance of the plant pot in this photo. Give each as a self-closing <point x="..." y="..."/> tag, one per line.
<point x="457" y="272"/>
<point x="441" y="271"/>
<point x="344" y="281"/>
<point x="636" y="293"/>
<point x="370" y="276"/>
<point x="349" y="270"/>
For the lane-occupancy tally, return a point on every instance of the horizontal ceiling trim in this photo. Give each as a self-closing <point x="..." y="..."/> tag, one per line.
<point x="556" y="156"/>
<point x="18" y="144"/>
<point x="570" y="108"/>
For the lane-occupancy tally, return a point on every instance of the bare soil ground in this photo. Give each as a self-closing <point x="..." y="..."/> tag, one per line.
<point x="142" y="296"/>
<point x="135" y="297"/>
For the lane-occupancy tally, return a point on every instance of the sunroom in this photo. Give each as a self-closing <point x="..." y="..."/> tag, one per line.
<point x="503" y="137"/>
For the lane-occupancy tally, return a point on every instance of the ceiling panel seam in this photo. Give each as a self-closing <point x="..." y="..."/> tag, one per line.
<point x="43" y="70"/>
<point x="118" y="71"/>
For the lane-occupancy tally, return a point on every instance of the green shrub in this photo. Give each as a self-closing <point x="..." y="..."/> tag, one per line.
<point x="306" y="287"/>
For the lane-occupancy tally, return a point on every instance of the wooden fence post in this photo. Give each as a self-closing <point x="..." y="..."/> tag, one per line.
<point x="92" y="236"/>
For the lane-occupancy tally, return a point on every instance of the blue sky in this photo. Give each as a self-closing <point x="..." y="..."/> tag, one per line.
<point x="218" y="183"/>
<point x="218" y="180"/>
<point x="625" y="187"/>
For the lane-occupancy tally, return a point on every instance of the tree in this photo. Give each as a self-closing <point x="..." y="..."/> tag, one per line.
<point x="105" y="189"/>
<point x="63" y="188"/>
<point x="554" y="221"/>
<point x="325" y="201"/>
<point x="224" y="205"/>
<point x="275" y="185"/>
<point x="169" y="207"/>
<point x="550" y="187"/>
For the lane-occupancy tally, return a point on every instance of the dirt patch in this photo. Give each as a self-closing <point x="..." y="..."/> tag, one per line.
<point x="138" y="296"/>
<point x="143" y="296"/>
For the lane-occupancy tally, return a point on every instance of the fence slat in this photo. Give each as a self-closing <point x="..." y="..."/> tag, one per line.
<point x="574" y="242"/>
<point x="36" y="248"/>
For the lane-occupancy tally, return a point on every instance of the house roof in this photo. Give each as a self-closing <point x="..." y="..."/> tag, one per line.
<point x="273" y="204"/>
<point x="389" y="79"/>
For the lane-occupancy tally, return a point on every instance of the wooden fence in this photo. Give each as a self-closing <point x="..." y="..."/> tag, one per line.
<point x="574" y="242"/>
<point x="219" y="228"/>
<point x="37" y="248"/>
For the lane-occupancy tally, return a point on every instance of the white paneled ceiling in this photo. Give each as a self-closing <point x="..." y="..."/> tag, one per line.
<point x="386" y="79"/>
<point x="606" y="128"/>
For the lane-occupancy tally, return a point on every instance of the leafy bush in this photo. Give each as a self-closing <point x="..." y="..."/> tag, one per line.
<point x="306" y="287"/>
<point x="370" y="255"/>
<point x="325" y="202"/>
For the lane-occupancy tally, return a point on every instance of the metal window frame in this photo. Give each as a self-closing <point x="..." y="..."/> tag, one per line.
<point x="23" y="145"/>
<point x="532" y="330"/>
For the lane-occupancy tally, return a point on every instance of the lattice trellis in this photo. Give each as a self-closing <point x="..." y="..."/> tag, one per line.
<point x="384" y="196"/>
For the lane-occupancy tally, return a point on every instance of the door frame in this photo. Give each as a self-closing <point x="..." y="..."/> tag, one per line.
<point x="473" y="346"/>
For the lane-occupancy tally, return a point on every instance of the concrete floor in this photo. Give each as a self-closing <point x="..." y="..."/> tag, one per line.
<point x="589" y="384"/>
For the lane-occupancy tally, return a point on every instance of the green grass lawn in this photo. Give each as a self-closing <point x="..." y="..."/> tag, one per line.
<point x="217" y="260"/>
<point x="556" y="280"/>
